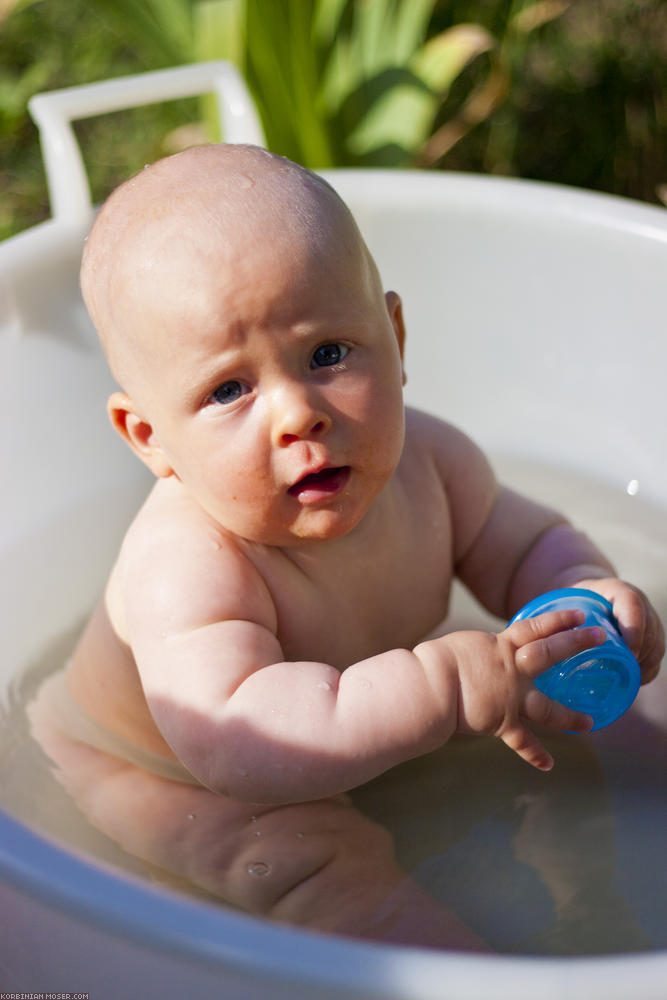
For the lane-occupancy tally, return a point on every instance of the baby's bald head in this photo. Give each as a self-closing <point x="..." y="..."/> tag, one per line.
<point x="158" y="229"/>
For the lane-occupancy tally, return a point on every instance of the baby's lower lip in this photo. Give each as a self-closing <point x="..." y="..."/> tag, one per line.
<point x="319" y="485"/>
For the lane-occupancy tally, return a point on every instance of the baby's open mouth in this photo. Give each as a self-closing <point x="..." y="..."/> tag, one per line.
<point x="322" y="483"/>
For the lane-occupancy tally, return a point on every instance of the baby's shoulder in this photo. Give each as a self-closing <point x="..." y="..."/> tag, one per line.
<point x="432" y="440"/>
<point x="177" y="564"/>
<point x="436" y="449"/>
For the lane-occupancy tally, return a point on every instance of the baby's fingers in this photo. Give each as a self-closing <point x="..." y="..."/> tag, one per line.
<point x="524" y="743"/>
<point x="526" y="630"/>
<point x="544" y="711"/>
<point x="547" y="647"/>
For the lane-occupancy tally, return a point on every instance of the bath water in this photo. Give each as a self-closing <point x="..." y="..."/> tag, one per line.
<point x="568" y="863"/>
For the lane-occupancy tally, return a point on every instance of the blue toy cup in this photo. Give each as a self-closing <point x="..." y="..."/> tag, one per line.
<point x="603" y="681"/>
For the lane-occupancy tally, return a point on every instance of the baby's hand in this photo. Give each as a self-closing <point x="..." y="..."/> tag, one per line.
<point x="638" y="621"/>
<point x="496" y="674"/>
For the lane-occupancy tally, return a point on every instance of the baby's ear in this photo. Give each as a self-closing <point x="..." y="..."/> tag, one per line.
<point x="395" y="310"/>
<point x="138" y="434"/>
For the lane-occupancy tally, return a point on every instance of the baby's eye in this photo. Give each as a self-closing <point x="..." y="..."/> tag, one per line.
<point x="228" y="392"/>
<point x="329" y="354"/>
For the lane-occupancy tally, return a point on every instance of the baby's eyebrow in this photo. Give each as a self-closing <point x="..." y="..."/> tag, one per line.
<point x="331" y="330"/>
<point x="194" y="386"/>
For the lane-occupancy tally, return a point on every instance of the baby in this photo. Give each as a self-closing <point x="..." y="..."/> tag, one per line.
<point x="261" y="635"/>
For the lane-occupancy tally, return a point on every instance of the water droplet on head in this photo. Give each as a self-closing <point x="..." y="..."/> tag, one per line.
<point x="324" y="685"/>
<point x="258" y="868"/>
<point x="192" y="815"/>
<point x="632" y="489"/>
<point x="246" y="182"/>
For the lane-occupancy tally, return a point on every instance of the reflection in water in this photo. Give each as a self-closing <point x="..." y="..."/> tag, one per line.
<point x="535" y="863"/>
<point x="320" y="864"/>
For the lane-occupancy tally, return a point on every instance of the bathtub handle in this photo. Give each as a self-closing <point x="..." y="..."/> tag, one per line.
<point x="53" y="112"/>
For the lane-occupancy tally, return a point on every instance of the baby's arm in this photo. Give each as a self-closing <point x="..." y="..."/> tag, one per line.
<point x="511" y="549"/>
<point x="250" y="725"/>
<point x="576" y="562"/>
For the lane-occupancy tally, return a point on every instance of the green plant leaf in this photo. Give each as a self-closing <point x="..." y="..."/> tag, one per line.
<point x="441" y="60"/>
<point x="411" y="26"/>
<point x="218" y="28"/>
<point x="219" y="31"/>
<point x="362" y="110"/>
<point x="536" y="14"/>
<point x="284" y="73"/>
<point x="402" y="111"/>
<point x="371" y="22"/>
<point x="326" y="21"/>
<point x="400" y="118"/>
<point x="484" y="98"/>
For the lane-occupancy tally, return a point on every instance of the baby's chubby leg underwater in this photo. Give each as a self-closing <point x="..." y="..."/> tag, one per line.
<point x="321" y="865"/>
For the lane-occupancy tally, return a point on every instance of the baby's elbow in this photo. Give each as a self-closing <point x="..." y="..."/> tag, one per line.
<point x="258" y="788"/>
<point x="221" y="775"/>
<point x="234" y="758"/>
<point x="263" y="782"/>
<point x="272" y="781"/>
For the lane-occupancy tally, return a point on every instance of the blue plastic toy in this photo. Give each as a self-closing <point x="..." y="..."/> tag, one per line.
<point x="602" y="682"/>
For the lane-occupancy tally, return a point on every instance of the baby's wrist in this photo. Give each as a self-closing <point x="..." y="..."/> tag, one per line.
<point x="581" y="576"/>
<point x="561" y="557"/>
<point x="439" y="664"/>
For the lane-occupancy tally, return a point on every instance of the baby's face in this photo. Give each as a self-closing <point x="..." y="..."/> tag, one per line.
<point x="275" y="384"/>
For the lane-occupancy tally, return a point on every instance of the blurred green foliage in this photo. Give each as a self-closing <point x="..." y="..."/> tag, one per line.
<point x="343" y="82"/>
<point x="572" y="91"/>
<point x="587" y="103"/>
<point x="59" y="43"/>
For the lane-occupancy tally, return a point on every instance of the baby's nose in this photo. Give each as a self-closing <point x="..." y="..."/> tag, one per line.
<point x="298" y="418"/>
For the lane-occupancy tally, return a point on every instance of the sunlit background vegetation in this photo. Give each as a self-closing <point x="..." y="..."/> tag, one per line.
<point x="571" y="91"/>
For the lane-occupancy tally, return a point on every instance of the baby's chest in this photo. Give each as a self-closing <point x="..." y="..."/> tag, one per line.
<point x="389" y="597"/>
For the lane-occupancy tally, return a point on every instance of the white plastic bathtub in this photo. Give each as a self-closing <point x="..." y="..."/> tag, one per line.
<point x="536" y="320"/>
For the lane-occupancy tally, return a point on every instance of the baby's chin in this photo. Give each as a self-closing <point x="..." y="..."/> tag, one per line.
<point x="309" y="528"/>
<point x="311" y="531"/>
